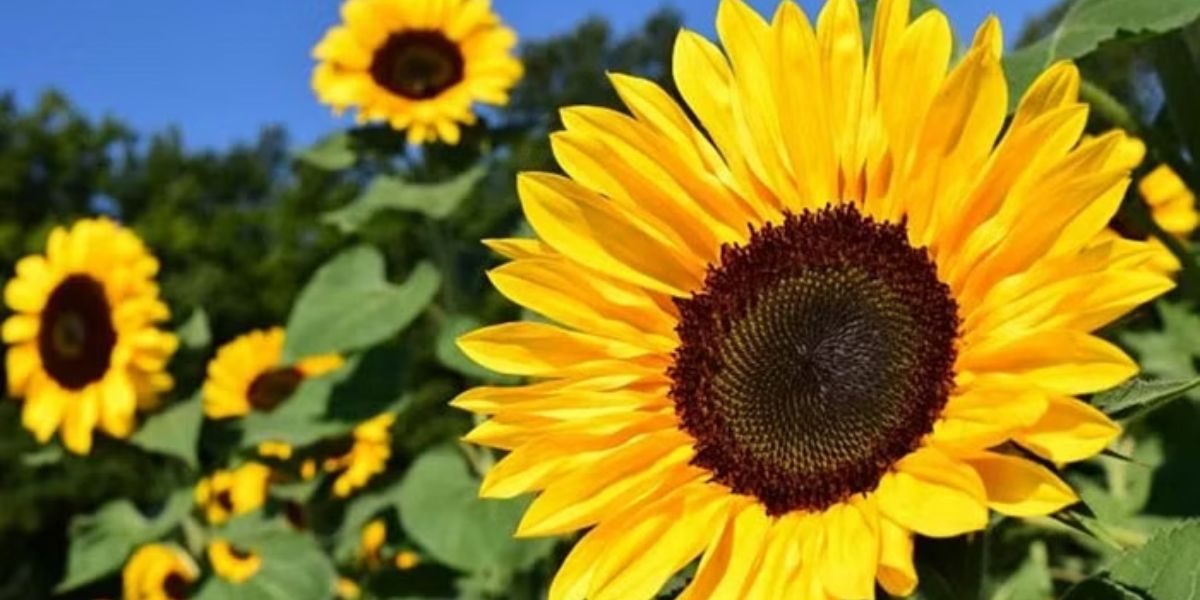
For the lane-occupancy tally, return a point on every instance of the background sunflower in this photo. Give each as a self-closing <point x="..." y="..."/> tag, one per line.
<point x="365" y="246"/>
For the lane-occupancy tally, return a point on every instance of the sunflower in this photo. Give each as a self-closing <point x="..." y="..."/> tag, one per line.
<point x="371" y="541"/>
<point x="232" y="563"/>
<point x="368" y="455"/>
<point x="1172" y="204"/>
<point x="158" y="572"/>
<point x="246" y="375"/>
<point x="855" y="307"/>
<point x="84" y="351"/>
<point x="225" y="494"/>
<point x="416" y="65"/>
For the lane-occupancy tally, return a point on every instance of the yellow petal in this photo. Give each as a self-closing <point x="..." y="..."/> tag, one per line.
<point x="1066" y="362"/>
<point x="849" y="559"/>
<point x="1069" y="431"/>
<point x="897" y="573"/>
<point x="43" y="411"/>
<point x="1020" y="488"/>
<point x="79" y="420"/>
<point x="539" y="349"/>
<point x="934" y="495"/>
<point x="733" y="558"/>
<point x="21" y="362"/>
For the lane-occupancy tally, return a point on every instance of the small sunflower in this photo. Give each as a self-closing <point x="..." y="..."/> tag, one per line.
<point x="232" y="563"/>
<point x="158" y="572"/>
<point x="226" y="494"/>
<point x="347" y="589"/>
<point x="1172" y="204"/>
<point x="416" y="65"/>
<point x="852" y="304"/>
<point x="406" y="560"/>
<point x="367" y="457"/>
<point x="246" y="375"/>
<point x="84" y="348"/>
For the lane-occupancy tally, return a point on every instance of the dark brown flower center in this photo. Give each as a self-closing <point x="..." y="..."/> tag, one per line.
<point x="175" y="586"/>
<point x="76" y="335"/>
<point x="418" y="64"/>
<point x="270" y="389"/>
<point x="815" y="357"/>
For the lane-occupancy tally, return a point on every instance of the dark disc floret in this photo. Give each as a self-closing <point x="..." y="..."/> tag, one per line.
<point x="76" y="335"/>
<point x="271" y="388"/>
<point x="816" y="356"/>
<point x="418" y="64"/>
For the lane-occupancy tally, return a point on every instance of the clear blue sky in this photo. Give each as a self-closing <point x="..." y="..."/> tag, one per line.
<point x="220" y="69"/>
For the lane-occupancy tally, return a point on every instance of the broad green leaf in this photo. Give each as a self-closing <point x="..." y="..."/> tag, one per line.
<point x="1166" y="566"/>
<point x="350" y="305"/>
<point x="102" y="541"/>
<point x="1179" y="73"/>
<point x="1086" y="25"/>
<point x="331" y="153"/>
<point x="1169" y="353"/>
<point x="1100" y="589"/>
<point x="195" y="333"/>
<point x="1032" y="579"/>
<point x="441" y="510"/>
<point x="387" y="192"/>
<point x="1140" y="396"/>
<point x="293" y="566"/>
<point x="173" y="431"/>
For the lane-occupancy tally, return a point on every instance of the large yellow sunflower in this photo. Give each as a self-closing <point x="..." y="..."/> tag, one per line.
<point x="419" y="66"/>
<point x="846" y="311"/>
<point x="247" y="375"/>
<point x="84" y="348"/>
<point x="158" y="572"/>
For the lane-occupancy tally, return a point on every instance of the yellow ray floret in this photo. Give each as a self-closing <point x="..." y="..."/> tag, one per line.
<point x="84" y="348"/>
<point x="811" y="315"/>
<point x="232" y="563"/>
<point x="419" y="66"/>
<point x="368" y="455"/>
<point x="226" y="494"/>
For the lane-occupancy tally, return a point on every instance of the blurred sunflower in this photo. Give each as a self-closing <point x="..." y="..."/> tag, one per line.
<point x="416" y="65"/>
<point x="1172" y="204"/>
<point x="158" y="572"/>
<point x="232" y="563"/>
<point x="225" y="494"/>
<point x="84" y="348"/>
<point x="848" y="311"/>
<point x="367" y="457"/>
<point x="371" y="541"/>
<point x="246" y="375"/>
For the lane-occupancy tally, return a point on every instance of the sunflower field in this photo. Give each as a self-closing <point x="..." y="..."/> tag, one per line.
<point x="841" y="302"/>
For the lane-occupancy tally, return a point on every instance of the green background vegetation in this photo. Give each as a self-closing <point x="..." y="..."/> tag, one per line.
<point x="392" y="236"/>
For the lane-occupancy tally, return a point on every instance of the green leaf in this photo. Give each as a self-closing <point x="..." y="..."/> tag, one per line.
<point x="1166" y="566"/>
<point x="349" y="305"/>
<point x="1168" y="353"/>
<point x="387" y="192"/>
<point x="1179" y="73"/>
<point x="331" y="153"/>
<point x="195" y="333"/>
<point x="441" y="510"/>
<point x="174" y="431"/>
<point x="1032" y="580"/>
<point x="1086" y="25"/>
<point x="1138" y="397"/>
<point x="293" y="566"/>
<point x="102" y="541"/>
<point x="1100" y="589"/>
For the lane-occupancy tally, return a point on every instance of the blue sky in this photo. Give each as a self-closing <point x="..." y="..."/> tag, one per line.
<point x="220" y="69"/>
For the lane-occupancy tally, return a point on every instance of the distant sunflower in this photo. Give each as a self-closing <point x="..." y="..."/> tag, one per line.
<point x="419" y="66"/>
<point x="1172" y="204"/>
<point x="226" y="494"/>
<point x="232" y="563"/>
<point x="158" y="572"/>
<point x="246" y="376"/>
<point x="367" y="457"/>
<point x="371" y="541"/>
<point x="84" y="348"/>
<point x="847" y="311"/>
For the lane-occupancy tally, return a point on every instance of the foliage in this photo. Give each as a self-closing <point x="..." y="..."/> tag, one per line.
<point x="366" y="248"/>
